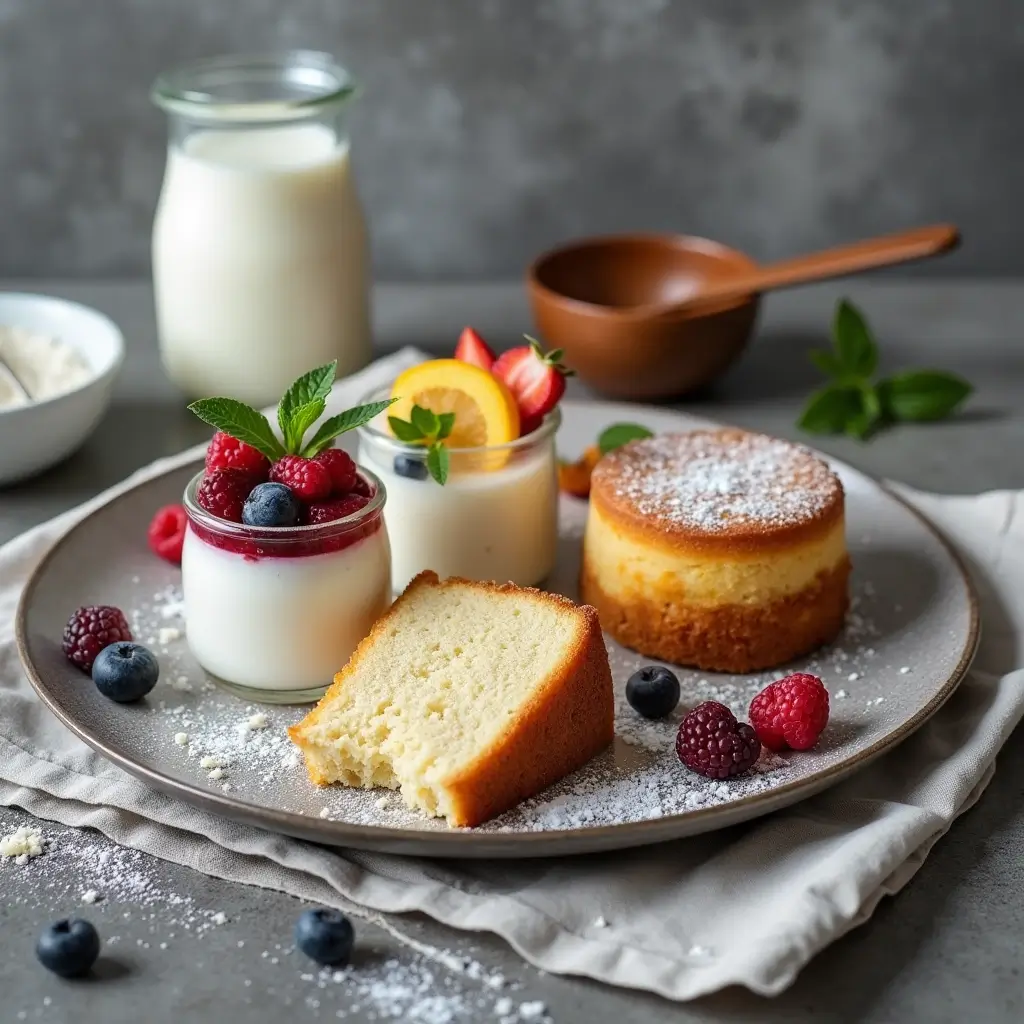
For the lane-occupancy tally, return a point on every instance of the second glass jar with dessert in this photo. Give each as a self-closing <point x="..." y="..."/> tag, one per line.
<point x="495" y="518"/>
<point x="275" y="612"/>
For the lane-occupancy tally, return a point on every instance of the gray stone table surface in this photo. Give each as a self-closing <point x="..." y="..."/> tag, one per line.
<point x="948" y="948"/>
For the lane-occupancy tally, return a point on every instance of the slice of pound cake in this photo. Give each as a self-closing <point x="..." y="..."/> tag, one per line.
<point x="466" y="697"/>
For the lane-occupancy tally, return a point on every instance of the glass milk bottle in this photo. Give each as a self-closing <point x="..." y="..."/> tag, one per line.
<point x="260" y="262"/>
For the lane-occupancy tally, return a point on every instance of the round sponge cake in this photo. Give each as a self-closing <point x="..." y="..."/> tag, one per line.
<point x="720" y="549"/>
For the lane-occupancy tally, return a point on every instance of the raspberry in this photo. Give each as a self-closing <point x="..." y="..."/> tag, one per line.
<point x="791" y="712"/>
<point x="309" y="480"/>
<point x="91" y="629"/>
<point x="166" y="533"/>
<point x="340" y="468"/>
<point x="338" y="508"/>
<point x="363" y="487"/>
<point x="223" y="492"/>
<point x="712" y="743"/>
<point x="227" y="452"/>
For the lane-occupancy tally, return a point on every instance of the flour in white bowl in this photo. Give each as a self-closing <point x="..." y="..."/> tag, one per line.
<point x="45" y="366"/>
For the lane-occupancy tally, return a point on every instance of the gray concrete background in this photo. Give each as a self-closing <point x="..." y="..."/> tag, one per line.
<point x="492" y="128"/>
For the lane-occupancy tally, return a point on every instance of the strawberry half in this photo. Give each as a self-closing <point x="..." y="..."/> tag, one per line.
<point x="536" y="380"/>
<point x="474" y="350"/>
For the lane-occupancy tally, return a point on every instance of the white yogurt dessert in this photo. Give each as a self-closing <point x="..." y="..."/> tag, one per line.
<point x="276" y="612"/>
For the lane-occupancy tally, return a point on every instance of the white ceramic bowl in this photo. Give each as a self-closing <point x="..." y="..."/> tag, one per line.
<point x="34" y="437"/>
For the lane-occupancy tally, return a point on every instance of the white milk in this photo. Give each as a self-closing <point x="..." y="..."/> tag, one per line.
<point x="260" y="261"/>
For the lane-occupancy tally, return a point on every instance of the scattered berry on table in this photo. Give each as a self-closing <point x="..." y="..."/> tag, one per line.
<point x="227" y="452"/>
<point x="411" y="467"/>
<point x="91" y="629"/>
<point x="653" y="691"/>
<point x="791" y="712"/>
<point x="336" y="508"/>
<point x="712" y="743"/>
<point x="166" y="533"/>
<point x="326" y="936"/>
<point x="309" y="479"/>
<point x="125" y="672"/>
<point x="271" y="504"/>
<point x="223" y="492"/>
<point x="340" y="468"/>
<point x="471" y="348"/>
<point x="68" y="948"/>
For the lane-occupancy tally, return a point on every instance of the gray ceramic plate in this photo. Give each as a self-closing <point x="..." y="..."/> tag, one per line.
<point x="909" y="640"/>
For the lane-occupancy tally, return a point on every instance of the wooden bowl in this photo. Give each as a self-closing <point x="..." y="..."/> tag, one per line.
<point x="588" y="298"/>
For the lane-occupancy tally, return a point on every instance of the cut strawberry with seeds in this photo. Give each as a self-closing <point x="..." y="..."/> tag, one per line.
<point x="340" y="468"/>
<point x="308" y="480"/>
<point x="223" y="492"/>
<point x="166" y="533"/>
<point x="536" y="380"/>
<point x="474" y="350"/>
<point x="227" y="452"/>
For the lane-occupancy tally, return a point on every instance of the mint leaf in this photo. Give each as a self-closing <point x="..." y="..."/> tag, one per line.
<point x="425" y="421"/>
<point x="343" y="422"/>
<point x="446" y="421"/>
<point x="438" y="462"/>
<point x="619" y="434"/>
<point x="404" y="431"/>
<point x="309" y="388"/>
<point x="301" y="420"/>
<point x="854" y="345"/>
<point x="864" y="423"/>
<point x="922" y="395"/>
<point x="828" y="411"/>
<point x="826" y="361"/>
<point x="241" y="422"/>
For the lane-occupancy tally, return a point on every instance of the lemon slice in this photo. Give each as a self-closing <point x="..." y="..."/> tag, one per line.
<point x="485" y="411"/>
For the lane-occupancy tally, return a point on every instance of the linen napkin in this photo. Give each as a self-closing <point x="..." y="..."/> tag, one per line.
<point x="801" y="877"/>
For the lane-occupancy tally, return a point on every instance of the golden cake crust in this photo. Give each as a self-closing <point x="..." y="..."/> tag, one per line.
<point x="569" y="720"/>
<point x="726" y="491"/>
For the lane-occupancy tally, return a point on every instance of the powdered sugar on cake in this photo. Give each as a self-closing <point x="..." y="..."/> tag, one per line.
<point x="718" y="480"/>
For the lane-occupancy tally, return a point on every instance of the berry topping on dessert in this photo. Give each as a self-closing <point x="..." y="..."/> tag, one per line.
<point x="336" y="508"/>
<point x="68" y="948"/>
<point x="471" y="348"/>
<point x="223" y="492"/>
<point x="653" y="691"/>
<point x="166" y="533"/>
<point x="125" y="672"/>
<point x="791" y="712"/>
<point x="712" y="743"/>
<point x="227" y="452"/>
<point x="271" y="504"/>
<point x="326" y="936"/>
<point x="412" y="467"/>
<point x="536" y="379"/>
<point x="91" y="629"/>
<point x="307" y="478"/>
<point x="340" y="467"/>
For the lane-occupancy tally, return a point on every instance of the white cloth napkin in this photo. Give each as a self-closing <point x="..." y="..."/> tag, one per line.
<point x="797" y="880"/>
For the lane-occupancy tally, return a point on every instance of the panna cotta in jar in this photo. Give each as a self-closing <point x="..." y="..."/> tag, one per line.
<point x="275" y="612"/>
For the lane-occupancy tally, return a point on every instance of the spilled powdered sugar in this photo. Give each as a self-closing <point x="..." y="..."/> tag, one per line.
<point x="716" y="480"/>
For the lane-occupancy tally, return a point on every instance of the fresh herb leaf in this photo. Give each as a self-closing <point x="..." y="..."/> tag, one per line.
<point x="828" y="362"/>
<point x="438" y="462"/>
<point x="854" y="345"/>
<point x="446" y="421"/>
<point x="619" y="434"/>
<point x="343" y="422"/>
<point x="300" y="421"/>
<point x="404" y="431"/>
<point x="308" y="389"/>
<point x="921" y="395"/>
<point x="830" y="409"/>
<point x="241" y="422"/>
<point x="425" y="421"/>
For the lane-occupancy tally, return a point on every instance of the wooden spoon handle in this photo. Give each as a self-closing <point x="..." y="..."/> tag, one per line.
<point x="845" y="259"/>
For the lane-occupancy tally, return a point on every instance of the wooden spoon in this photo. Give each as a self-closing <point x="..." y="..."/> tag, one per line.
<point x="818" y="266"/>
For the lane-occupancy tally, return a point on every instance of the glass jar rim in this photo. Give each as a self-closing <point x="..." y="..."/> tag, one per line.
<point x="283" y="534"/>
<point x="190" y="89"/>
<point x="549" y="425"/>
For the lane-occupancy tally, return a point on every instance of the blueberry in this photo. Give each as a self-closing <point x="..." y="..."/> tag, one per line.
<point x="271" y="505"/>
<point x="325" y="936"/>
<point x="413" y="468"/>
<point x="653" y="691"/>
<point x="125" y="672"/>
<point x="68" y="948"/>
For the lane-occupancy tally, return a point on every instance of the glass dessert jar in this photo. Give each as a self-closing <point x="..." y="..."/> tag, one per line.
<point x="495" y="518"/>
<point x="260" y="263"/>
<point x="275" y="612"/>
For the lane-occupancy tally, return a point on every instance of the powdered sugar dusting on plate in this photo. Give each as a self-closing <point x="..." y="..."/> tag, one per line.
<point x="719" y="480"/>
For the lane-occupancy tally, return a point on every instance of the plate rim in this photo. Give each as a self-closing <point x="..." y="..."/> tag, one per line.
<point x="467" y="843"/>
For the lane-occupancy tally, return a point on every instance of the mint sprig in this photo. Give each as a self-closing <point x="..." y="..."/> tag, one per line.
<point x="619" y="434"/>
<point x="856" y="404"/>
<point x="428" y="429"/>
<point x="299" y="409"/>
